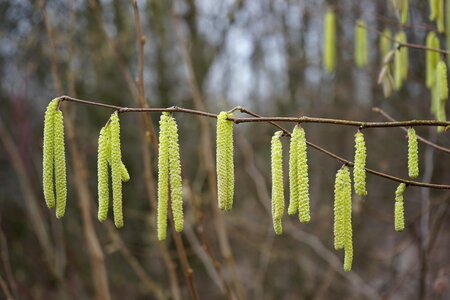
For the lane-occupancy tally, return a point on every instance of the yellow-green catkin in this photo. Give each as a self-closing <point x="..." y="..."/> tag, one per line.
<point x="433" y="9"/>
<point x="399" y="211"/>
<point x="116" y="172"/>
<point x="361" y="51"/>
<point x="385" y="43"/>
<point x="440" y="16"/>
<point x="400" y="60"/>
<point x="447" y="28"/>
<point x="277" y="182"/>
<point x="124" y="173"/>
<point x="359" y="170"/>
<point x="163" y="176"/>
<point x="176" y="185"/>
<point x="60" y="165"/>
<point x="48" y="153"/>
<point x="413" y="154"/>
<point x="442" y="93"/>
<point x="293" y="172"/>
<point x="432" y="59"/>
<point x="102" y="175"/>
<point x="303" y="200"/>
<point x="329" y="42"/>
<point x="339" y="210"/>
<point x="224" y="161"/>
<point x="404" y="12"/>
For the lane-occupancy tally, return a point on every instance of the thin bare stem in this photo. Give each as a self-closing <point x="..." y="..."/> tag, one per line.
<point x="425" y="141"/>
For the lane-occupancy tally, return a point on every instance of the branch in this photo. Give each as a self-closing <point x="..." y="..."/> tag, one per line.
<point x="258" y="118"/>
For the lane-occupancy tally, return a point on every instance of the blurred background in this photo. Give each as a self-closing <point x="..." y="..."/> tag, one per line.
<point x="212" y="55"/>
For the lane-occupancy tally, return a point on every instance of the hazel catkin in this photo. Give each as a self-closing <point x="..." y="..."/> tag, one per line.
<point x="432" y="58"/>
<point x="385" y="43"/>
<point x="399" y="213"/>
<point x="329" y="41"/>
<point x="224" y="161"/>
<point x="433" y="9"/>
<point x="440" y="16"/>
<point x="116" y="173"/>
<point x="413" y="159"/>
<point x="361" y="51"/>
<point x="303" y="200"/>
<point x="401" y="63"/>
<point x="339" y="210"/>
<point x="359" y="170"/>
<point x="60" y="165"/>
<point x="102" y="175"/>
<point x="277" y="182"/>
<point x="293" y="172"/>
<point x="163" y="176"/>
<point x="48" y="153"/>
<point x="176" y="186"/>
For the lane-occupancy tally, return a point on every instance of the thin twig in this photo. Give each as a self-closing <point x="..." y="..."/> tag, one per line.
<point x="425" y="141"/>
<point x="258" y="118"/>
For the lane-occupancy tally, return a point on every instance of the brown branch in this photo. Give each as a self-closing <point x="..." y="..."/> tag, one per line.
<point x="258" y="118"/>
<point x="425" y="141"/>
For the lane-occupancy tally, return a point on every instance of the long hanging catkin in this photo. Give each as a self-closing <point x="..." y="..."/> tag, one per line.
<point x="163" y="176"/>
<point x="404" y="12"/>
<point x="176" y="186"/>
<point x="60" y="165"/>
<point x="400" y="60"/>
<point x="102" y="174"/>
<point x="277" y="182"/>
<point x="399" y="212"/>
<point x="441" y="91"/>
<point x="303" y="200"/>
<point x="359" y="170"/>
<point x="433" y="9"/>
<point x="116" y="173"/>
<point x="432" y="58"/>
<point x="413" y="159"/>
<point x="293" y="172"/>
<point x="224" y="161"/>
<point x="48" y="153"/>
<point x="440" y="16"/>
<point x="361" y="52"/>
<point x="339" y="210"/>
<point x="329" y="42"/>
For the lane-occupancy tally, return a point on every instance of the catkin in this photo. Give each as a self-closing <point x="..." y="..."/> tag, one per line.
<point x="116" y="174"/>
<point x="404" y="12"/>
<point x="413" y="159"/>
<point x="399" y="212"/>
<point x="361" y="54"/>
<point x="176" y="186"/>
<point x="48" y="153"/>
<point x="359" y="170"/>
<point x="224" y="161"/>
<point x="102" y="175"/>
<point x="293" y="172"/>
<point x="440" y="16"/>
<point x="400" y="60"/>
<point x="447" y="27"/>
<point x="385" y="43"/>
<point x="442" y="80"/>
<point x="339" y="210"/>
<point x="303" y="200"/>
<point x="432" y="58"/>
<point x="163" y="176"/>
<point x="433" y="9"/>
<point x="60" y="165"/>
<point x="329" y="42"/>
<point x="277" y="182"/>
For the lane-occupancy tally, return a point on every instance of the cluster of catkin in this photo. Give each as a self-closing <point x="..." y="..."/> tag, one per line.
<point x="54" y="160"/>
<point x="110" y="154"/>
<point x="169" y="176"/>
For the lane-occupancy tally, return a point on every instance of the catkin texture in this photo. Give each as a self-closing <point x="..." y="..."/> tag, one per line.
<point x="432" y="59"/>
<point x="442" y="80"/>
<point x="433" y="9"/>
<point x="102" y="175"/>
<point x="413" y="157"/>
<point x="339" y="210"/>
<point x="361" y="54"/>
<point x="359" y="170"/>
<point x="176" y="186"/>
<point x="399" y="213"/>
<point x="347" y="222"/>
<point x="385" y="43"/>
<point x="124" y="175"/>
<point x="116" y="173"/>
<point x="440" y="16"/>
<point x="163" y="176"/>
<point x="224" y="161"/>
<point x="329" y="42"/>
<point x="60" y="165"/>
<point x="48" y="153"/>
<point x="277" y="182"/>
<point x="303" y="200"/>
<point x="293" y="172"/>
